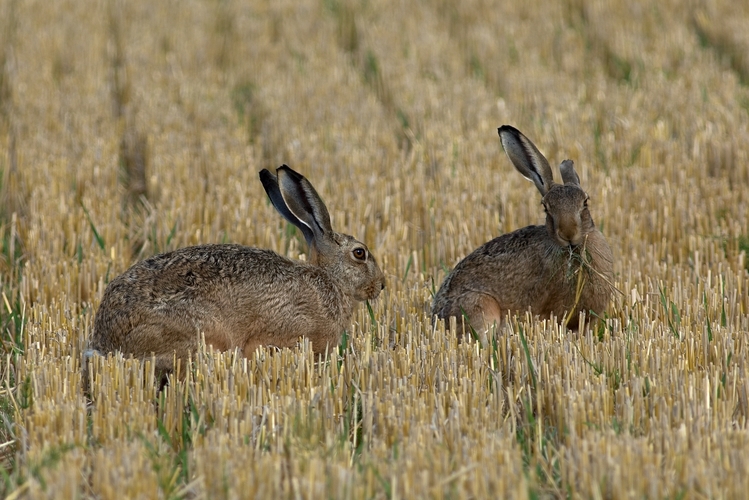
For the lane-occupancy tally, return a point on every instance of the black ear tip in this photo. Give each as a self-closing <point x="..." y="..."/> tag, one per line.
<point x="508" y="129"/>
<point x="266" y="175"/>
<point x="293" y="174"/>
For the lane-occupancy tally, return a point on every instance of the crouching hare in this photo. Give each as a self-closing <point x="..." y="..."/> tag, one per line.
<point x="238" y="296"/>
<point x="560" y="269"/>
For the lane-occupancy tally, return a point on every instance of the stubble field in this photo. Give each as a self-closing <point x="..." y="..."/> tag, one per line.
<point x="133" y="128"/>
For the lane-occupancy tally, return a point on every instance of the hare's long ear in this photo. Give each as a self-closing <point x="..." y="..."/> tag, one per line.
<point x="270" y="183"/>
<point x="305" y="204"/>
<point x="569" y="176"/>
<point x="526" y="158"/>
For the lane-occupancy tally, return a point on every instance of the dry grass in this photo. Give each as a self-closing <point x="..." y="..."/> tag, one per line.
<point x="130" y="128"/>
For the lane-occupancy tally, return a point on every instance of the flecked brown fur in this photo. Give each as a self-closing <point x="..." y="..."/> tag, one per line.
<point x="536" y="268"/>
<point x="238" y="296"/>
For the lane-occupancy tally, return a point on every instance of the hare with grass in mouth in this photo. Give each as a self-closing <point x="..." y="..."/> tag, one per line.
<point x="560" y="268"/>
<point x="240" y="297"/>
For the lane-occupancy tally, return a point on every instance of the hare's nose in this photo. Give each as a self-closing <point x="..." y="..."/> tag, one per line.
<point x="568" y="231"/>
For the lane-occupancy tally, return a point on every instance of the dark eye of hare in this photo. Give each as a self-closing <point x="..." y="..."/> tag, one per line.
<point x="360" y="254"/>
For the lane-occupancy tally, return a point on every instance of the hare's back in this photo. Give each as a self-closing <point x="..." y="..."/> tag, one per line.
<point x="192" y="271"/>
<point x="194" y="280"/>
<point x="518" y="253"/>
<point x="506" y="268"/>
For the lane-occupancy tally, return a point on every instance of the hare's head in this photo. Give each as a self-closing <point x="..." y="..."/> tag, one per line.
<point x="346" y="259"/>
<point x="566" y="205"/>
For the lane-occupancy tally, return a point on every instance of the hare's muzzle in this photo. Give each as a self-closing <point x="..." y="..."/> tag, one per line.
<point x="569" y="238"/>
<point x="377" y="287"/>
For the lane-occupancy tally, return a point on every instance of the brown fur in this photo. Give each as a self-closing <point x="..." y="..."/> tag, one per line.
<point x="241" y="297"/>
<point x="536" y="268"/>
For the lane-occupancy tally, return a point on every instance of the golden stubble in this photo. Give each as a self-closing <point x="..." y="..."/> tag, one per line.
<point x="391" y="110"/>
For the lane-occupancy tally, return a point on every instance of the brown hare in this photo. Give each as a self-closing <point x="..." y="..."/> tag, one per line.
<point x="560" y="269"/>
<point x="240" y="297"/>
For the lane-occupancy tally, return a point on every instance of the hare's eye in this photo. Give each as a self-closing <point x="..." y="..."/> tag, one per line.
<point x="360" y="254"/>
<point x="585" y="203"/>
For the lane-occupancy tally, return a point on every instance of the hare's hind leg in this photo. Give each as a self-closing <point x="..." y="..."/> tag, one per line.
<point x="480" y="309"/>
<point x="484" y="315"/>
<point x="491" y="311"/>
<point x="162" y="337"/>
<point x="162" y="340"/>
